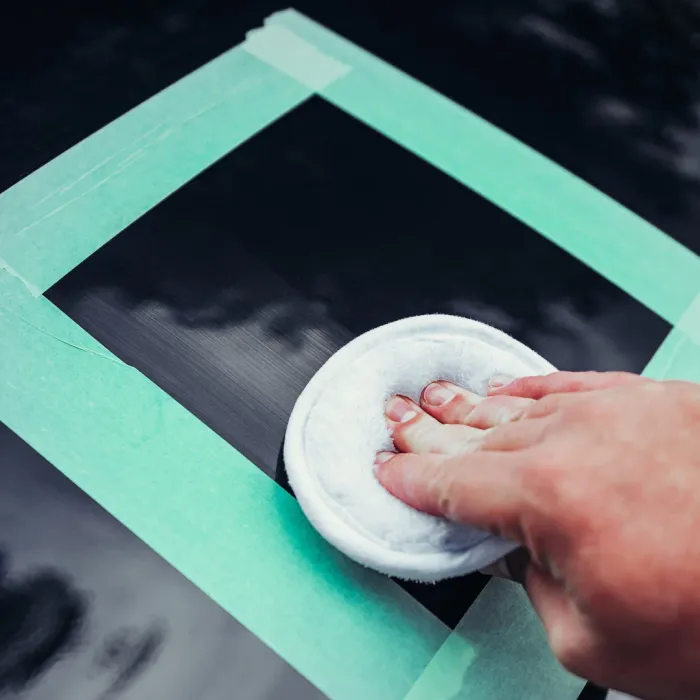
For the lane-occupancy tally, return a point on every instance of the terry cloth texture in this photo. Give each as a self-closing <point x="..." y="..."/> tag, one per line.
<point x="338" y="425"/>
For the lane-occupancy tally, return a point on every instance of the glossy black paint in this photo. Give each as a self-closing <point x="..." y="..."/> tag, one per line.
<point x="88" y="611"/>
<point x="232" y="292"/>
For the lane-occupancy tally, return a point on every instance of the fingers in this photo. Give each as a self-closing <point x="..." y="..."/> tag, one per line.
<point x="452" y="404"/>
<point x="453" y="420"/>
<point x="413" y="430"/>
<point x="564" y="383"/>
<point x="481" y="489"/>
<point x="514" y="436"/>
<point x="569" y="636"/>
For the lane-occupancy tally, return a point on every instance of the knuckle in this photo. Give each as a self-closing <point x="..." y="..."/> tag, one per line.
<point x="564" y="381"/>
<point x="447" y="498"/>
<point x="399" y="431"/>
<point x="543" y="407"/>
<point x="470" y="443"/>
<point x="537" y="472"/>
<point x="506" y="436"/>
<point x="404" y="434"/>
<point x="526" y="384"/>
<point x="460" y="405"/>
<point x="479" y="416"/>
<point x="569" y="652"/>
<point x="557" y="492"/>
<point x="545" y="475"/>
<point x="500" y="409"/>
<point x="582" y="406"/>
<point x="445" y="506"/>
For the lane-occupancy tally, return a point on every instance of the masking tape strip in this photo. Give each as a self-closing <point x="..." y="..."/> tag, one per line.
<point x="206" y="509"/>
<point x="285" y="51"/>
<point x="612" y="240"/>
<point x="679" y="354"/>
<point x="55" y="218"/>
<point x="498" y="650"/>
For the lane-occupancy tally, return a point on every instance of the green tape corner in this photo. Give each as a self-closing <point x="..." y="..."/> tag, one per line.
<point x="55" y="218"/>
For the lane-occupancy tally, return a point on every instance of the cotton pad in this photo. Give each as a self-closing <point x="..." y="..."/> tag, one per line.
<point x="338" y="425"/>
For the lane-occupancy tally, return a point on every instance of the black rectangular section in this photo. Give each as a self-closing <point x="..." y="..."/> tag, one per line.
<point x="607" y="89"/>
<point x="231" y="293"/>
<point x="88" y="610"/>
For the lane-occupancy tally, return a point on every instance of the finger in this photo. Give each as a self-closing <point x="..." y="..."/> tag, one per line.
<point x="565" y="383"/>
<point x="514" y="436"/>
<point x="448" y="402"/>
<point x="451" y="404"/>
<point x="498" y="410"/>
<point x="568" y="634"/>
<point x="413" y="430"/>
<point x="479" y="489"/>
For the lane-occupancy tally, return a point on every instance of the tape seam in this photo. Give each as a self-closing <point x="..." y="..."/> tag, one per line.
<point x="282" y="49"/>
<point x="120" y="172"/>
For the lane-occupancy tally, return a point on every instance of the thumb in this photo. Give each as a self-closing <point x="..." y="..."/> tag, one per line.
<point x="480" y="489"/>
<point x="565" y="383"/>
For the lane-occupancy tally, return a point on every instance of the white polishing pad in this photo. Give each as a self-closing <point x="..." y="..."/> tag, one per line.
<point x="338" y="425"/>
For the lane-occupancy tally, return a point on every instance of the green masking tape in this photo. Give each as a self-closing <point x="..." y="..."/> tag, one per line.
<point x="165" y="475"/>
<point x="206" y="509"/>
<point x="679" y="354"/>
<point x="612" y="240"/>
<point x="185" y="491"/>
<point x="284" y="50"/>
<point x="52" y="220"/>
<point x="498" y="650"/>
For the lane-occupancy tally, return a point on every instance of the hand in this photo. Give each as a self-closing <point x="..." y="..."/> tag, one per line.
<point x="598" y="476"/>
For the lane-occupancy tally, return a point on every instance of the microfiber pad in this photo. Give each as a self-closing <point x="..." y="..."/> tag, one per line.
<point x="338" y="425"/>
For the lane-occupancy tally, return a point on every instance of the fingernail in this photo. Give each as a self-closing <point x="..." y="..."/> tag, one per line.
<point x="437" y="394"/>
<point x="499" y="380"/>
<point x="382" y="457"/>
<point x="399" y="410"/>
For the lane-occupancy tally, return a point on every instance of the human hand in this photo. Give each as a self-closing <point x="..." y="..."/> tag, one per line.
<point x="598" y="476"/>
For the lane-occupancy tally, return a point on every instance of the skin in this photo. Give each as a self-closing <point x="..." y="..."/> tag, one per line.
<point x="597" y="476"/>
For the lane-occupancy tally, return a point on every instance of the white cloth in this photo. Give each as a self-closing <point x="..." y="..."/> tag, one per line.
<point x="338" y="425"/>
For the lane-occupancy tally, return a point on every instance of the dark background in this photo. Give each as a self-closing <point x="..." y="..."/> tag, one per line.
<point x="230" y="304"/>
